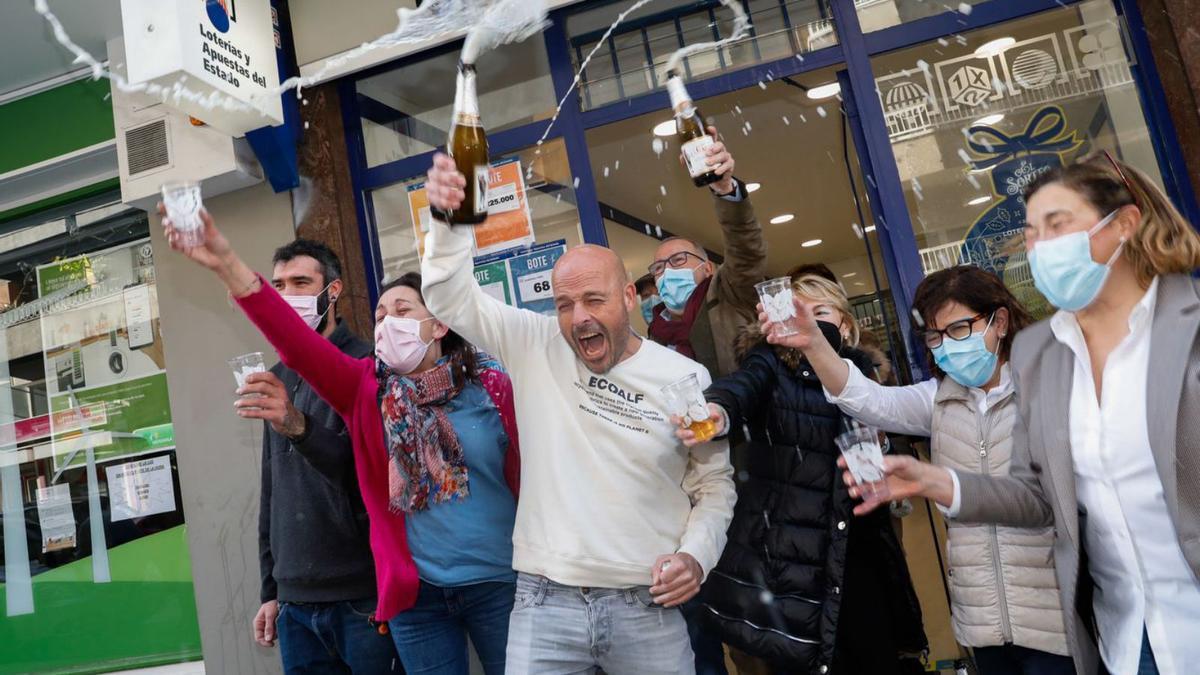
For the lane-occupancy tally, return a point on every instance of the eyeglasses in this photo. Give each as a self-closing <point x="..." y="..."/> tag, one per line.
<point x="675" y="260"/>
<point x="1124" y="179"/>
<point x="958" y="331"/>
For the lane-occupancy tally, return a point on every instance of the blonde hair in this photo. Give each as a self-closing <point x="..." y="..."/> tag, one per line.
<point x="821" y="289"/>
<point x="1165" y="243"/>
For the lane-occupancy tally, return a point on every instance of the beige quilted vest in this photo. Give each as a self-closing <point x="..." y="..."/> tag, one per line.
<point x="1002" y="583"/>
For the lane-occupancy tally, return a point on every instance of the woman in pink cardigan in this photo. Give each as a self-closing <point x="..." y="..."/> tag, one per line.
<point x="435" y="447"/>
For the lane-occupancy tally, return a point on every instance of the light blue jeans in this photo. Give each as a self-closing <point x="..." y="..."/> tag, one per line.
<point x="562" y="630"/>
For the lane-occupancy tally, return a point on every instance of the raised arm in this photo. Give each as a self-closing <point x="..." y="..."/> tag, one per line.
<point x="331" y="373"/>
<point x="901" y="410"/>
<point x="448" y="280"/>
<point x="742" y="392"/>
<point x="745" y="251"/>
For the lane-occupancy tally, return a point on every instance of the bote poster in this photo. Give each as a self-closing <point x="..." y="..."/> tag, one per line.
<point x="509" y="223"/>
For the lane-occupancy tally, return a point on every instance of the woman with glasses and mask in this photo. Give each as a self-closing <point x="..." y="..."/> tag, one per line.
<point x="1106" y="446"/>
<point x="1004" y="597"/>
<point x="434" y="435"/>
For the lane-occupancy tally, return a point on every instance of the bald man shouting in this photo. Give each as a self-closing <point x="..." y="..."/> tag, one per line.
<point x="618" y="523"/>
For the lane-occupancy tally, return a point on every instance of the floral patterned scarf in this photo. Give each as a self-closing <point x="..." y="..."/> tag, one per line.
<point x="427" y="464"/>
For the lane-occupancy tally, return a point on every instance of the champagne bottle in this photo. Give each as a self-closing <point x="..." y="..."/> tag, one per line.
<point x="467" y="145"/>
<point x="694" y="141"/>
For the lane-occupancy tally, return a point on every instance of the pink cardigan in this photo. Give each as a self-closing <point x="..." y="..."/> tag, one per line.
<point x="350" y="386"/>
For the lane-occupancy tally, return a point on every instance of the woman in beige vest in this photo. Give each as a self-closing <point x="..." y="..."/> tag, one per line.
<point x="1004" y="597"/>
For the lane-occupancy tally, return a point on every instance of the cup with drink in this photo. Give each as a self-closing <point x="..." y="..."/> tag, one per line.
<point x="685" y="400"/>
<point x="183" y="203"/>
<point x="860" y="446"/>
<point x="245" y="365"/>
<point x="776" y="298"/>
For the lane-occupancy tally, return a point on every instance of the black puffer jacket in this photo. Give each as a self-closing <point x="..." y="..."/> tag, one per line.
<point x="803" y="584"/>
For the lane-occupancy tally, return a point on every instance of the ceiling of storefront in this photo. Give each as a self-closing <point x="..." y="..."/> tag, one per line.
<point x="799" y="163"/>
<point x="28" y="52"/>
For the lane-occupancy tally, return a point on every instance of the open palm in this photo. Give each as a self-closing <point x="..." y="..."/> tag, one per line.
<point x="905" y="478"/>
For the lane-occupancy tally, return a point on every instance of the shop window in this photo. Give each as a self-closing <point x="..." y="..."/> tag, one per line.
<point x="406" y="111"/>
<point x="540" y="185"/>
<point x="631" y="61"/>
<point x="811" y="200"/>
<point x="877" y="14"/>
<point x="96" y="573"/>
<point x="973" y="120"/>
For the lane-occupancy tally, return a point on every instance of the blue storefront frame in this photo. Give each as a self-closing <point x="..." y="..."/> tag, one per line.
<point x="853" y="52"/>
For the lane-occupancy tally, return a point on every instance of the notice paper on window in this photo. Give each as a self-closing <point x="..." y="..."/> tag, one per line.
<point x="139" y="489"/>
<point x="56" y="517"/>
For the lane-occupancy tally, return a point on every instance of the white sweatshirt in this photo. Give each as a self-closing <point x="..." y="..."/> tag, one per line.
<point x="606" y="487"/>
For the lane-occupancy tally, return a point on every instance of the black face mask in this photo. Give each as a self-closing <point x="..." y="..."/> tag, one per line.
<point x="832" y="333"/>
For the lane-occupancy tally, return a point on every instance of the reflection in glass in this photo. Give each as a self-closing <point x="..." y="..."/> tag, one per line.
<point x="401" y="217"/>
<point x="93" y="535"/>
<point x="407" y="111"/>
<point x="973" y="120"/>
<point x="631" y="61"/>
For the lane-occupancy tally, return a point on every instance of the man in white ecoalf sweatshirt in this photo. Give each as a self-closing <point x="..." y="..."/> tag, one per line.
<point x="617" y="522"/>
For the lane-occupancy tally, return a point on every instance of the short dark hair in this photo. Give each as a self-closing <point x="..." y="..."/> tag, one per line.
<point x="816" y="269"/>
<point x="327" y="260"/>
<point x="646" y="280"/>
<point x="453" y="344"/>
<point x="977" y="290"/>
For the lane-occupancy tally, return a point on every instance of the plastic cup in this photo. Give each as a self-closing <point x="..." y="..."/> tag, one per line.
<point x="776" y="298"/>
<point x="183" y="203"/>
<point x="685" y="399"/>
<point x="860" y="446"/>
<point x="245" y="365"/>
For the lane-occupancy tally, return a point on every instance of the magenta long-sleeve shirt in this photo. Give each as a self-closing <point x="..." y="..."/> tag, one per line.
<point x="350" y="386"/>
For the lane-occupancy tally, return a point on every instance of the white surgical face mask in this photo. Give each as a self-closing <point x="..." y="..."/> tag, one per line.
<point x="307" y="306"/>
<point x="398" y="343"/>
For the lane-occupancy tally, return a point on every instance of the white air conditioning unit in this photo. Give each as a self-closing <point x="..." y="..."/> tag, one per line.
<point x="157" y="144"/>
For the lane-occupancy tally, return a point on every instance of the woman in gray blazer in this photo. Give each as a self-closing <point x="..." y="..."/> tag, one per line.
<point x="1107" y="443"/>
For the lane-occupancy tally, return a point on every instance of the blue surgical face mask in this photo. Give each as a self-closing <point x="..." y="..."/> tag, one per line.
<point x="1063" y="269"/>
<point x="968" y="362"/>
<point x="675" y="287"/>
<point x="648" y="306"/>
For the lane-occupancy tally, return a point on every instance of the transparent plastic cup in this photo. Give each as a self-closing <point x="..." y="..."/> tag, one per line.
<point x="245" y="365"/>
<point x="776" y="298"/>
<point x="183" y="203"/>
<point x="860" y="446"/>
<point x="685" y="399"/>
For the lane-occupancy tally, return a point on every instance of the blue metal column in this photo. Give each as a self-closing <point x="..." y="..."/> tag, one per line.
<point x="563" y="73"/>
<point x="357" y="158"/>
<point x="895" y="228"/>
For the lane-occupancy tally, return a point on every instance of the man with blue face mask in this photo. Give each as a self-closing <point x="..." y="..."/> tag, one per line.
<point x="704" y="305"/>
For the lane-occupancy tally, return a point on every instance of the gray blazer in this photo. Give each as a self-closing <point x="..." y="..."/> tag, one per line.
<point x="1041" y="488"/>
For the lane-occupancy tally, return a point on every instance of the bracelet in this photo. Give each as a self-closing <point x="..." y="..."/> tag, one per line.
<point x="246" y="291"/>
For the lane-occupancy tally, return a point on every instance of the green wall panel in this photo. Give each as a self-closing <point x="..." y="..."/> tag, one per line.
<point x="55" y="122"/>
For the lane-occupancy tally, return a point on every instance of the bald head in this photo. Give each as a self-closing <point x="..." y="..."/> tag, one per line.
<point x="593" y="297"/>
<point x="591" y="259"/>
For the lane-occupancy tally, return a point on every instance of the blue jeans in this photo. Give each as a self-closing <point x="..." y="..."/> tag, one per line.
<point x="557" y="630"/>
<point x="1146" y="664"/>
<point x="333" y="637"/>
<point x="710" y="653"/>
<point x="431" y="636"/>
<point x="1016" y="660"/>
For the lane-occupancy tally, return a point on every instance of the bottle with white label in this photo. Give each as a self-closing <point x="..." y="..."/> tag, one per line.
<point x="468" y="146"/>
<point x="694" y="141"/>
